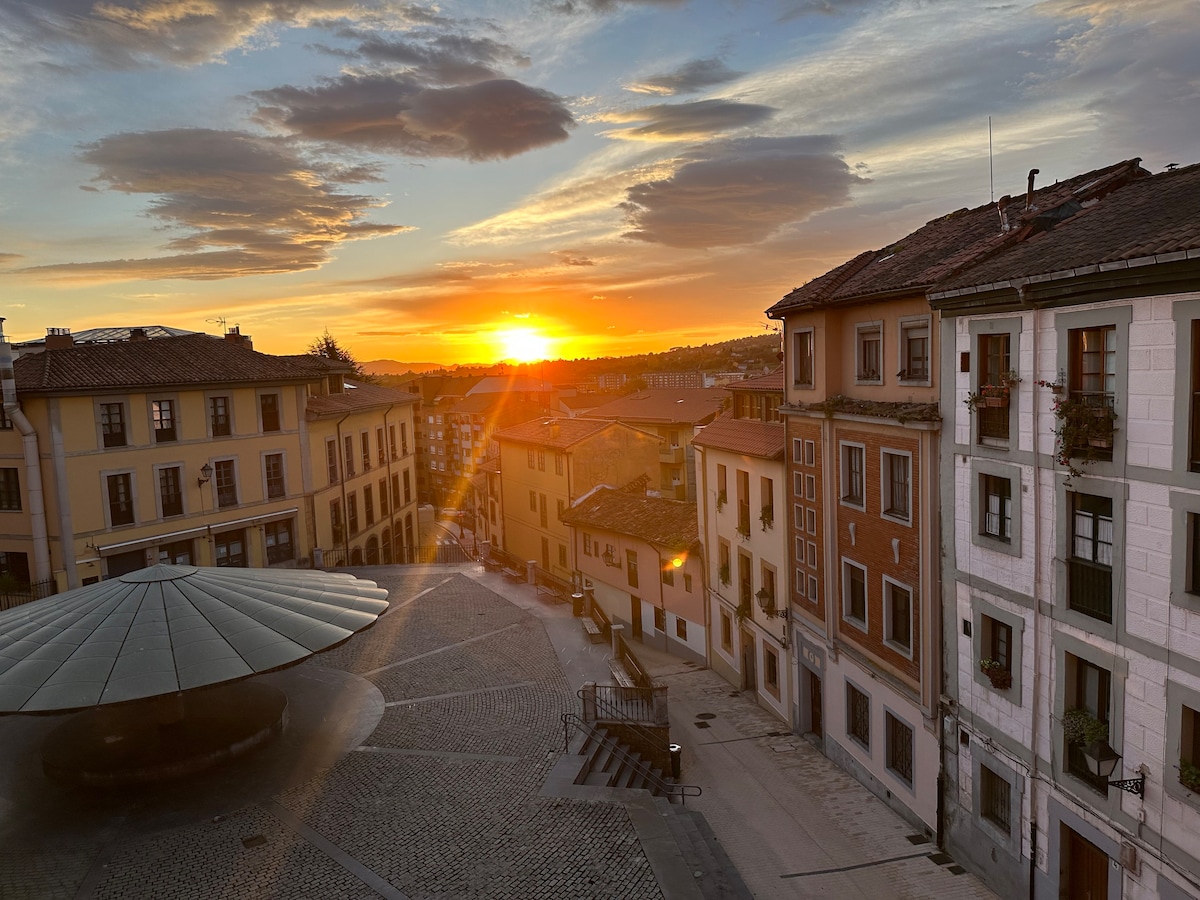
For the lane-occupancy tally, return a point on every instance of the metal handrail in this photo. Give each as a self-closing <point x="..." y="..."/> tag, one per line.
<point x="615" y="714"/>
<point x="669" y="788"/>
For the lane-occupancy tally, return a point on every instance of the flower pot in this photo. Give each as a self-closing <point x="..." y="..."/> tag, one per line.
<point x="995" y="401"/>
<point x="1100" y="443"/>
<point x="1000" y="679"/>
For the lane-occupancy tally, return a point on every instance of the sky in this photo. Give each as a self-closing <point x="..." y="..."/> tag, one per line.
<point x="468" y="181"/>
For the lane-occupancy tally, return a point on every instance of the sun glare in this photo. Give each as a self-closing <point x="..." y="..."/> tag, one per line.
<point x="524" y="345"/>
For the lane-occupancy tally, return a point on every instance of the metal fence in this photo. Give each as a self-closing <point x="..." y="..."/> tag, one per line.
<point x="439" y="554"/>
<point x="15" y="596"/>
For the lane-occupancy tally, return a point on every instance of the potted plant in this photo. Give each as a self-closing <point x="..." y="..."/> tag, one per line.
<point x="723" y="574"/>
<point x="743" y="611"/>
<point x="993" y="394"/>
<point x="1189" y="776"/>
<point x="743" y="530"/>
<point x="767" y="517"/>
<point x="1080" y="727"/>
<point x="1083" y="429"/>
<point x="722" y="499"/>
<point x="997" y="674"/>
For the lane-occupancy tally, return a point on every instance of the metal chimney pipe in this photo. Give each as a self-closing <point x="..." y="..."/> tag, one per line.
<point x="1029" y="191"/>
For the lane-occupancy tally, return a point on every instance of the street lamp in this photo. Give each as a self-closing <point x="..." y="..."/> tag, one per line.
<point x="206" y="471"/>
<point x="1102" y="761"/>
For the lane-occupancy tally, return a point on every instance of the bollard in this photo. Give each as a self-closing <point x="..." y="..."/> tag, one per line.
<point x="676" y="760"/>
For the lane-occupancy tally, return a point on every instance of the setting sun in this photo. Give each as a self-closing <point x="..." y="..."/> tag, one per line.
<point x="524" y="345"/>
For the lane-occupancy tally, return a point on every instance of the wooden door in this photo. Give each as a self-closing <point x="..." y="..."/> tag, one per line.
<point x="1087" y="869"/>
<point x="749" y="663"/>
<point x="635" y="617"/>
<point x="816" y="724"/>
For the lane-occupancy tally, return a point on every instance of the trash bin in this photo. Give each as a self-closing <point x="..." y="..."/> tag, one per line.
<point x="577" y="604"/>
<point x="676" y="760"/>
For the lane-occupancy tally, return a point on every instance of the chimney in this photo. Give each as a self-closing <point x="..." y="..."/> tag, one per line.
<point x="138" y="334"/>
<point x="59" y="338"/>
<point x="1002" y="208"/>
<point x="234" y="336"/>
<point x="1029" y="190"/>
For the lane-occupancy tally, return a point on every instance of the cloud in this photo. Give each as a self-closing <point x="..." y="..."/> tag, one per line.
<point x="124" y="34"/>
<point x="9" y="259"/>
<point x="241" y="204"/>
<point x="396" y="113"/>
<point x="574" y="7"/>
<point x="694" y="121"/>
<point x="444" y="58"/>
<point x="687" y="79"/>
<point x="739" y="192"/>
<point x="573" y="258"/>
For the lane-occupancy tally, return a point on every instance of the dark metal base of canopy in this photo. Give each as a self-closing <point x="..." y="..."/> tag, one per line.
<point x="164" y="738"/>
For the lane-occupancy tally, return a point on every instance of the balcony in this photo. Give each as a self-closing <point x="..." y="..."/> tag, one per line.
<point x="670" y="455"/>
<point x="1089" y="589"/>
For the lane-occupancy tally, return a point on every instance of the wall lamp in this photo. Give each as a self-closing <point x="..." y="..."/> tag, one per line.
<point x="206" y="471"/>
<point x="610" y="559"/>
<point x="1102" y="762"/>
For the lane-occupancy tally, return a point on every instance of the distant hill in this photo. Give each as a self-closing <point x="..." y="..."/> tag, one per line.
<point x="391" y="367"/>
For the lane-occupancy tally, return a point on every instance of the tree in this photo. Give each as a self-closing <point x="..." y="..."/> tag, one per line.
<point x="327" y="345"/>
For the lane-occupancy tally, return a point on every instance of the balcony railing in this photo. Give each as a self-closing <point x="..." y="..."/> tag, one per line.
<point x="1089" y="589"/>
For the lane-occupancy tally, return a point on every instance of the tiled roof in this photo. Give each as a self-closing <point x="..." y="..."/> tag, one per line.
<point x="751" y="437"/>
<point x="669" y="523"/>
<point x="771" y="382"/>
<point x="556" y="432"/>
<point x="189" y="360"/>
<point x="503" y="384"/>
<point x="322" y="365"/>
<point x="947" y="245"/>
<point x="1148" y="217"/>
<point x="115" y="333"/>
<point x="357" y="396"/>
<point x="693" y="405"/>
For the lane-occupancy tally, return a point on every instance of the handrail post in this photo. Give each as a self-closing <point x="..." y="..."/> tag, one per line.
<point x="588" y="695"/>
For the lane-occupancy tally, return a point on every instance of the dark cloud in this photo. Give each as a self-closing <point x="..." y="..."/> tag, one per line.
<point x="8" y="259"/>
<point x="398" y="114"/>
<point x="446" y="58"/>
<point x="243" y="204"/>
<point x="573" y="258"/>
<point x="687" y="79"/>
<point x="689" y="121"/>
<point x="128" y="33"/>
<point x="739" y="192"/>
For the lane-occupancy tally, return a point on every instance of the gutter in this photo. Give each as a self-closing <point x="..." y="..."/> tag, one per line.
<point x="33" y="469"/>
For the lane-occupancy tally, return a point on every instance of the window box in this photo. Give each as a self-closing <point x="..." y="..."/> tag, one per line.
<point x="997" y="674"/>
<point x="1189" y="776"/>
<point x="993" y="395"/>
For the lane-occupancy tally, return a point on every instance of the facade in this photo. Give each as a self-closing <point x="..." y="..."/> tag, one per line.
<point x="546" y="464"/>
<point x="1071" y="594"/>
<point x="742" y="479"/>
<point x="673" y="380"/>
<point x="183" y="449"/>
<point x="673" y="414"/>
<point x="641" y="556"/>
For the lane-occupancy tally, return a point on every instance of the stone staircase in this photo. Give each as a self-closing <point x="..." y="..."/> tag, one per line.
<point x="711" y="869"/>
<point x="606" y="762"/>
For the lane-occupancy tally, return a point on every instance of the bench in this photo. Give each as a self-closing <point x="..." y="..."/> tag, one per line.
<point x="492" y="565"/>
<point x="513" y="575"/>
<point x="620" y="675"/>
<point x="554" y="594"/>
<point x="594" y="633"/>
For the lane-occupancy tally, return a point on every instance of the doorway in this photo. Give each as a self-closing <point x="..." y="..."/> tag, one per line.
<point x="635" y="617"/>
<point x="816" y="723"/>
<point x="1085" y="869"/>
<point x="749" y="663"/>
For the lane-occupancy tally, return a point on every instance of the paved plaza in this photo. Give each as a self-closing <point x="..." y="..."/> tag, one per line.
<point x="415" y="765"/>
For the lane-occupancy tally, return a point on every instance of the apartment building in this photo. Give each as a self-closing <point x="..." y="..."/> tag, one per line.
<point x="642" y="557"/>
<point x="183" y="449"/>
<point x="673" y="414"/>
<point x="548" y="463"/>
<point x="1070" y="388"/>
<point x="742" y="478"/>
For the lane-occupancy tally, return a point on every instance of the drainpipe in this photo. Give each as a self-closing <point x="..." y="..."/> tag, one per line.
<point x="345" y="505"/>
<point x="33" y="469"/>
<point x="387" y="456"/>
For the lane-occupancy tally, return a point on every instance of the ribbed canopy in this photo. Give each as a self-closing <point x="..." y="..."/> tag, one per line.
<point x="171" y="628"/>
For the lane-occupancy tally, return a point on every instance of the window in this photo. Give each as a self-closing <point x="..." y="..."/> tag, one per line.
<point x="273" y="464"/>
<point x="561" y="508"/>
<point x="352" y="512"/>
<point x="404" y="439"/>
<point x="996" y="509"/>
<point x="279" y="542"/>
<point x="369" y="505"/>
<point x="383" y="497"/>
<point x="810" y="521"/>
<point x="896" y="485"/>
<point x="348" y="455"/>
<point x="1088" y="689"/>
<point x="218" y="416"/>
<point x="722" y="492"/>
<point x="533" y="501"/>
<point x="771" y="669"/>
<point x="797" y="451"/>
<point x="723" y="561"/>
<point x="562" y="555"/>
<point x="112" y="424"/>
<point x="331" y="461"/>
<point x="745" y="579"/>
<point x="810" y="453"/>
<point x="914" y="350"/>
<point x="766" y="493"/>
<point x="529" y="458"/>
<point x="541" y="460"/>
<point x="335" y="520"/>
<point x="767" y="580"/>
<point x="899" y="748"/>
<point x="268" y="411"/>
<point x="1093" y="362"/>
<point x="407" y="487"/>
<point x="852" y="475"/>
<point x="660" y="619"/>
<point x="897" y="606"/>
<point x="726" y="632"/>
<point x="365" y="447"/>
<point x="1089" y="569"/>
<point x="170" y="491"/>
<point x="870" y="353"/>
<point x="1189" y="745"/>
<point x="631" y="567"/>
<point x="163" y="414"/>
<point x="812" y="588"/>
<point x="559" y="464"/>
<point x="996" y="644"/>
<point x="120" y="499"/>
<point x="802" y="358"/>
<point x="392" y="440"/>
<point x="854" y="593"/>
<point x="858" y="716"/>
<point x="994" y="364"/>
<point x="396" y="491"/>
<point x="687" y="582"/>
<point x="587" y="544"/>
<point x="681" y="628"/>
<point x="743" y="502"/>
<point x="10" y="489"/>
<point x="995" y="803"/>
<point x="230" y="548"/>
<point x="226" y="479"/>
<point x="543" y="518"/>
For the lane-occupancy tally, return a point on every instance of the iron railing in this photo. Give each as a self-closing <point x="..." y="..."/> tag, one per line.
<point x="1090" y="589"/>
<point x="670" y="789"/>
<point x="24" y="593"/>
<point x="629" y="705"/>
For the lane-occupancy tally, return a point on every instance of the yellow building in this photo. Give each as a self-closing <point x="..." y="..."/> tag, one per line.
<point x="184" y="449"/>
<point x="546" y="464"/>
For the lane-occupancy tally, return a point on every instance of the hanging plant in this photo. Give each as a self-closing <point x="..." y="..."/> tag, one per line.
<point x="767" y="517"/>
<point x="723" y="574"/>
<point x="743" y="611"/>
<point x="998" y="675"/>
<point x="1082" y="728"/>
<point x="1083" y="429"/>
<point x="722" y="499"/>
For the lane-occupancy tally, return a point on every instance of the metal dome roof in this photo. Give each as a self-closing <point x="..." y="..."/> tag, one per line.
<point x="172" y="628"/>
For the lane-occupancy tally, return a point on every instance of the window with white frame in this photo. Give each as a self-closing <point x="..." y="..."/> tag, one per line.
<point x="869" y="353"/>
<point x="898" y="616"/>
<point x="896" y="485"/>
<point x="854" y="593"/>
<point x="914" y="350"/>
<point x="995" y="493"/>
<point x="899" y="740"/>
<point x="852" y="474"/>
<point x="802" y="358"/>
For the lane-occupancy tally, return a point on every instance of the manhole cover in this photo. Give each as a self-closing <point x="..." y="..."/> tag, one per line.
<point x="701" y="724"/>
<point x="255" y="841"/>
<point x="735" y="693"/>
<point x="706" y="715"/>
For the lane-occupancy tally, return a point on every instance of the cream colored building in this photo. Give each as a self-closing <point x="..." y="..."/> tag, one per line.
<point x="184" y="449"/>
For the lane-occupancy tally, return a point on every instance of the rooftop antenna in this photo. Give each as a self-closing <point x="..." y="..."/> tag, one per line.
<point x="991" y="177"/>
<point x="219" y="320"/>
